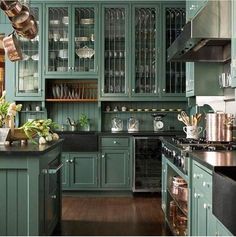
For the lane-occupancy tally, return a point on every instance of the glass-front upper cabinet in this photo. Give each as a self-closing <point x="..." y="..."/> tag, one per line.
<point x="84" y="39"/>
<point x="146" y="40"/>
<point x="58" y="54"/>
<point x="175" y="76"/>
<point x="114" y="48"/>
<point x="72" y="40"/>
<point x="28" y="76"/>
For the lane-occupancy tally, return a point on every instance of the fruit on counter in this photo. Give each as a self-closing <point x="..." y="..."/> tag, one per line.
<point x="43" y="128"/>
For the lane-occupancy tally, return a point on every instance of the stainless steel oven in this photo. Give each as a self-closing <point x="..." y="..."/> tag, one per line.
<point x="147" y="164"/>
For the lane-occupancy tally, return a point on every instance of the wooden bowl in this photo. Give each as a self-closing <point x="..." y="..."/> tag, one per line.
<point x="19" y="134"/>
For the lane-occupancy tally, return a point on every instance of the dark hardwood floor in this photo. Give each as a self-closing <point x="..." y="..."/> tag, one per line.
<point x="109" y="216"/>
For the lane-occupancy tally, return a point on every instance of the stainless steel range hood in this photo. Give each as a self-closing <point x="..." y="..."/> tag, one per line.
<point x="207" y="37"/>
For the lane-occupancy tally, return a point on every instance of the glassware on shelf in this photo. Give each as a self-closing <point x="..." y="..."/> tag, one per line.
<point x="116" y="124"/>
<point x="133" y="125"/>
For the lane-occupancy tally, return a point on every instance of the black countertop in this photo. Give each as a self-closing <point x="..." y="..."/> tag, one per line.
<point x="212" y="159"/>
<point x="126" y="133"/>
<point x="31" y="149"/>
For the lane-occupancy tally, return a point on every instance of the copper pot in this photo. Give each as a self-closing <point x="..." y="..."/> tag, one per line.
<point x="183" y="193"/>
<point x="12" y="47"/>
<point x="30" y="31"/>
<point x="20" y="21"/>
<point x="12" y="9"/>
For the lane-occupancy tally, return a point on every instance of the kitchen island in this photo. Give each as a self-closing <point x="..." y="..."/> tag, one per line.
<point x="30" y="196"/>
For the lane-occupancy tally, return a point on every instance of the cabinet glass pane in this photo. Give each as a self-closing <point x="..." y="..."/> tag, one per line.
<point x="114" y="45"/>
<point x="58" y="39"/>
<point x="28" y="69"/>
<point x="175" y="71"/>
<point x="145" y="50"/>
<point x="84" y="39"/>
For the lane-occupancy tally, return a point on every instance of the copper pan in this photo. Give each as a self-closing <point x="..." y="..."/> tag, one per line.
<point x="12" y="47"/>
<point x="12" y="9"/>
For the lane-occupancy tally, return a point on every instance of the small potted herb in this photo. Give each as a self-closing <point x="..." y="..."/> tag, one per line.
<point x="84" y="122"/>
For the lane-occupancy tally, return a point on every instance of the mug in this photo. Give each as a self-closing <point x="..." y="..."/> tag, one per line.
<point x="192" y="132"/>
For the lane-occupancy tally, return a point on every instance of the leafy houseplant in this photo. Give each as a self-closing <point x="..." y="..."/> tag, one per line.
<point x="84" y="122"/>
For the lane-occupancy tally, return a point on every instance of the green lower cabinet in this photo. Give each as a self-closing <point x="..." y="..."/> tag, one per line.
<point x="83" y="171"/>
<point x="80" y="171"/>
<point x="115" y="169"/>
<point x="203" y="222"/>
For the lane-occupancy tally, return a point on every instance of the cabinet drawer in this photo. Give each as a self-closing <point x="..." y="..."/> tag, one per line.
<point x="203" y="180"/>
<point x="115" y="142"/>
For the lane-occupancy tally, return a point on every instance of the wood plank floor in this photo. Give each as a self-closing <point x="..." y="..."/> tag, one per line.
<point x="109" y="216"/>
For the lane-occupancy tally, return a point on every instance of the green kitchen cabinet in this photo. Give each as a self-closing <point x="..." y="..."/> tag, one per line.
<point x="115" y="163"/>
<point x="146" y="56"/>
<point x="30" y="197"/>
<point x="202" y="76"/>
<point x="115" y="169"/>
<point x="80" y="171"/>
<point x="173" y="73"/>
<point x="71" y="51"/>
<point x="204" y="223"/>
<point x="134" y="62"/>
<point x="115" y="47"/>
<point x="28" y="82"/>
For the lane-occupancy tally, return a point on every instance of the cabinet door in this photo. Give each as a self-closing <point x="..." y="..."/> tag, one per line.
<point x="211" y="220"/>
<point x="189" y="79"/>
<point x="83" y="171"/>
<point x="146" y="50"/>
<point x="65" y="181"/>
<point x="115" y="169"/>
<point x="58" y="39"/>
<point x="28" y="71"/>
<point x="115" y="54"/>
<point x="174" y="78"/>
<point x="199" y="214"/>
<point x="85" y="39"/>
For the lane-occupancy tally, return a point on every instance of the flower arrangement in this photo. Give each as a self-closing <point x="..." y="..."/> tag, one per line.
<point x="7" y="111"/>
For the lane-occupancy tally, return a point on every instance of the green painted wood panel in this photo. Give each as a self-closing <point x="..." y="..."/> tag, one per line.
<point x="59" y="112"/>
<point x="13" y="208"/>
<point x="233" y="44"/>
<point x="83" y="170"/>
<point x="115" y="169"/>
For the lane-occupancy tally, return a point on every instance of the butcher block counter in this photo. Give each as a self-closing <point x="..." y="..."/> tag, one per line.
<point x="30" y="197"/>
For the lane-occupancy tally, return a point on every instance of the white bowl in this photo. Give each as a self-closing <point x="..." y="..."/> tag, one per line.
<point x="87" y="21"/>
<point x="63" y="53"/>
<point x="85" y="52"/>
<point x="61" y="69"/>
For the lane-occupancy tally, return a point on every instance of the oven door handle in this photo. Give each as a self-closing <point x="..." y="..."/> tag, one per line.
<point x="55" y="170"/>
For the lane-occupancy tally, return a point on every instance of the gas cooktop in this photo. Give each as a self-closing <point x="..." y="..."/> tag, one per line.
<point x="202" y="144"/>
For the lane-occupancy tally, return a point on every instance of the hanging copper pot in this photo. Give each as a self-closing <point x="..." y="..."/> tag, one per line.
<point x="12" y="47"/>
<point x="11" y="9"/>
<point x="30" y="31"/>
<point x="20" y="21"/>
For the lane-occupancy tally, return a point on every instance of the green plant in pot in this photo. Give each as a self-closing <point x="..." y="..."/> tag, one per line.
<point x="84" y="122"/>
